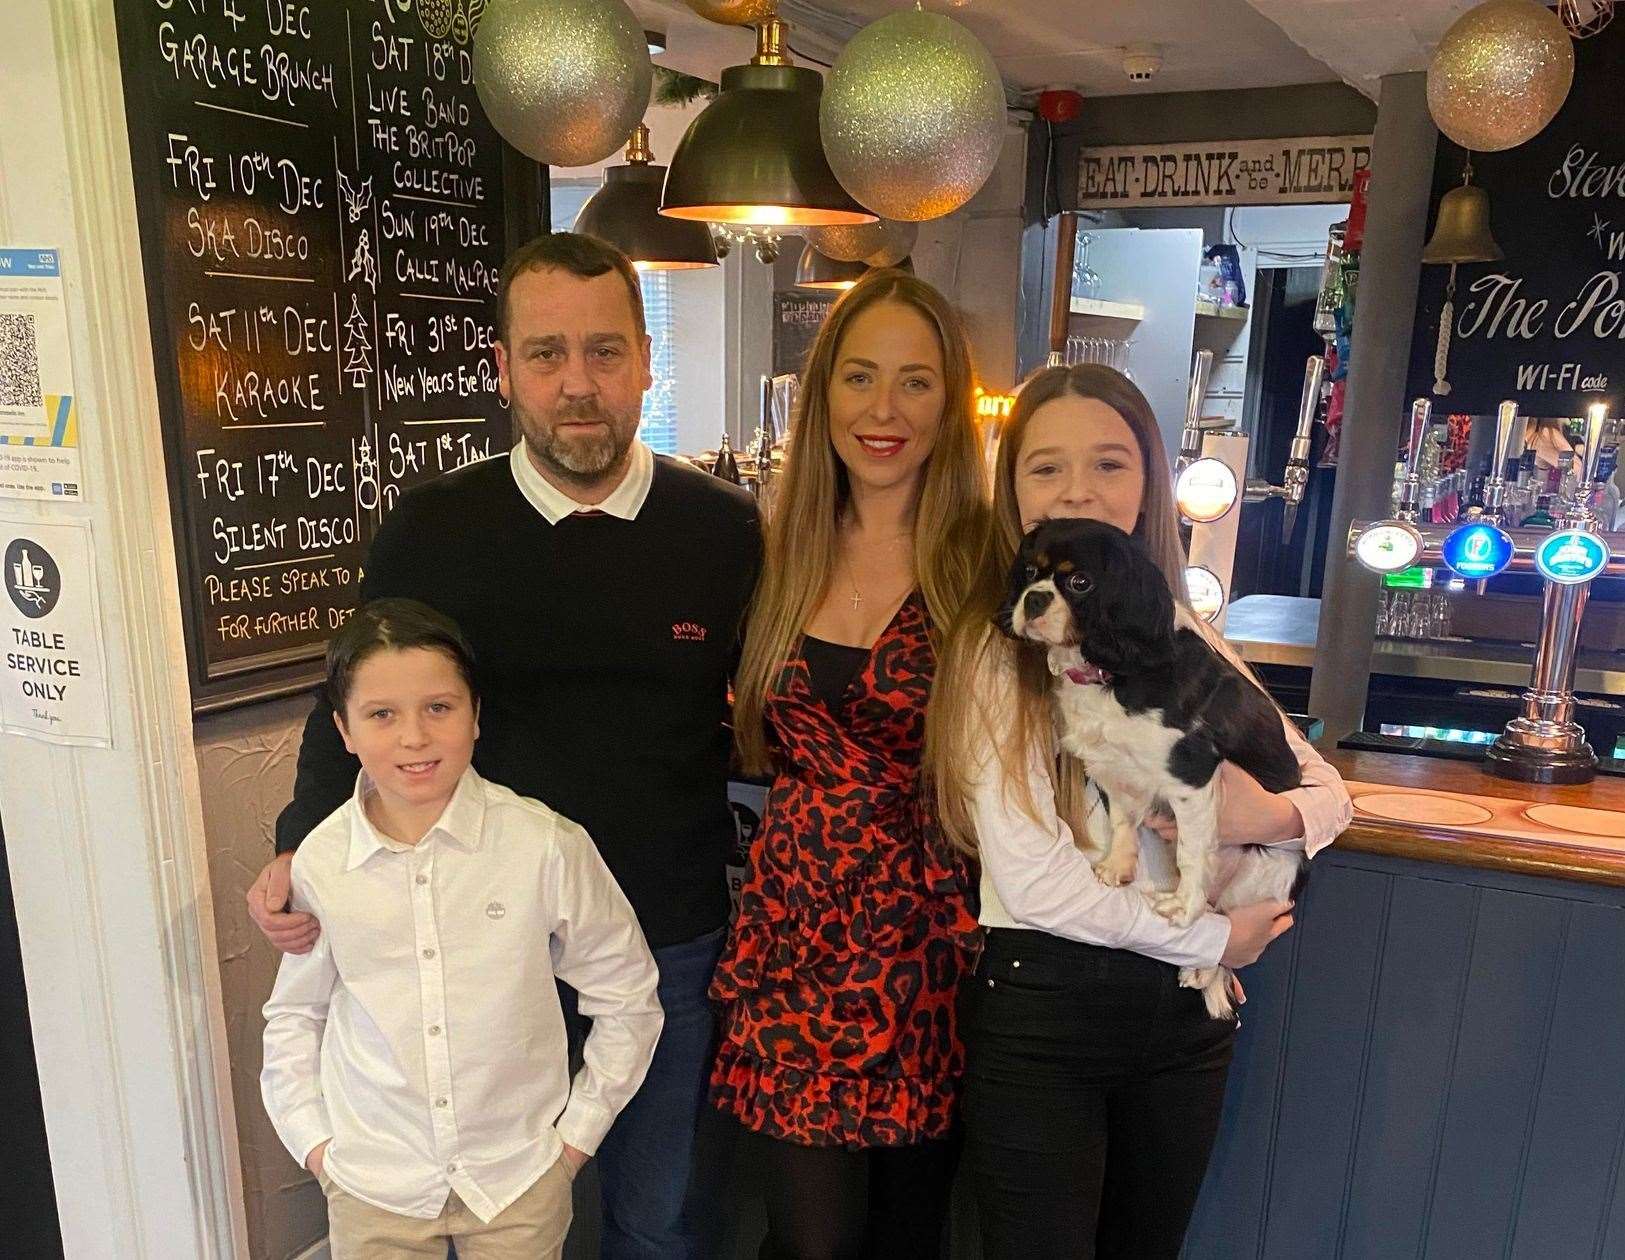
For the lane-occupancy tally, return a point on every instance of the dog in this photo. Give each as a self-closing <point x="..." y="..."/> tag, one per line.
<point x="1151" y="709"/>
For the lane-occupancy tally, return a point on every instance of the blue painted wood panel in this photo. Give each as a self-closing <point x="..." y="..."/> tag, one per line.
<point x="1435" y="1069"/>
<point x="1500" y="1049"/>
<point x="1580" y="1105"/>
<point x="1419" y="997"/>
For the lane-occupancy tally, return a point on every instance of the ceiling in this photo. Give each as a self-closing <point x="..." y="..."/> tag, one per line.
<point x="1205" y="44"/>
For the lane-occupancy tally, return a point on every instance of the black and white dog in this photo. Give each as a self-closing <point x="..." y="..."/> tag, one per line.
<point x="1151" y="709"/>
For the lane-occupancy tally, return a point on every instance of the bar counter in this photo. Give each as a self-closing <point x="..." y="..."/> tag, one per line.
<point x="1429" y="1063"/>
<point x="1436" y="810"/>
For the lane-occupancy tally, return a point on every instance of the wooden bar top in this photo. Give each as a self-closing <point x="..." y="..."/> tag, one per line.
<point x="1435" y="810"/>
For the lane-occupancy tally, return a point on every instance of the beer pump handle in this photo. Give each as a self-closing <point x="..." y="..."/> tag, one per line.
<point x="1596" y="429"/>
<point x="1410" y="487"/>
<point x="1295" y="479"/>
<point x="1506" y="423"/>
<point x="1190" y="437"/>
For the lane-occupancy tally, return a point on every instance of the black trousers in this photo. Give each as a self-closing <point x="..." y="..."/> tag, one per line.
<point x="829" y="1203"/>
<point x="1093" y="1091"/>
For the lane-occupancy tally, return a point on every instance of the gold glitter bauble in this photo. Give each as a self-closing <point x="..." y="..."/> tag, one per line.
<point x="880" y="244"/>
<point x="734" y="12"/>
<point x="1501" y="73"/>
<point x="563" y="81"/>
<point x="913" y="116"/>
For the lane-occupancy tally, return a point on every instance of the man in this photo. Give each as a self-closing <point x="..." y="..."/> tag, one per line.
<point x="602" y="589"/>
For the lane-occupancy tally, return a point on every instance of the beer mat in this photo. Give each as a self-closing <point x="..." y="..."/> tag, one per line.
<point x="1490" y="815"/>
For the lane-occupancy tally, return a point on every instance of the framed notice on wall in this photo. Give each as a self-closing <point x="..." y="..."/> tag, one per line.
<point x="1312" y="169"/>
<point x="322" y="217"/>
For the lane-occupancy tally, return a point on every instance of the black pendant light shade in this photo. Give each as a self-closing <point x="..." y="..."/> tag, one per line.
<point x="755" y="154"/>
<point x="625" y="213"/>
<point x="819" y="271"/>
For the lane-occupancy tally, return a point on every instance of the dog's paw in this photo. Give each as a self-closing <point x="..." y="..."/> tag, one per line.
<point x="1177" y="908"/>
<point x="1114" y="871"/>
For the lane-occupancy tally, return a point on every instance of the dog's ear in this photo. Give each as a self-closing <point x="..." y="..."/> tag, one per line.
<point x="1127" y="623"/>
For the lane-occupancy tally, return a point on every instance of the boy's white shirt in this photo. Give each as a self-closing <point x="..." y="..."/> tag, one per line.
<point x="423" y="1033"/>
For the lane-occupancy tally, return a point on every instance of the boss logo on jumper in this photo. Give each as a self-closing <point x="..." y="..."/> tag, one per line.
<point x="688" y="632"/>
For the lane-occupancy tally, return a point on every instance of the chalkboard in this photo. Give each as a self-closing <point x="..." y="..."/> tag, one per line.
<point x="323" y="223"/>
<point x="1545" y="326"/>
<point x="797" y="316"/>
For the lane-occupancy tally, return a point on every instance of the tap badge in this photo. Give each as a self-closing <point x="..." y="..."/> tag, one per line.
<point x="1571" y="556"/>
<point x="1478" y="550"/>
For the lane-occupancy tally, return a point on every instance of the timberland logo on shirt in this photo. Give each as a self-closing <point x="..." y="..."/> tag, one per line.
<point x="688" y="632"/>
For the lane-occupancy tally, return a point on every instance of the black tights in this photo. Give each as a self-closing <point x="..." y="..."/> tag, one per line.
<point x="829" y="1203"/>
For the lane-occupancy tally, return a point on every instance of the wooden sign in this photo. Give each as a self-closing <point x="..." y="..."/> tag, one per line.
<point x="322" y="215"/>
<point x="1311" y="170"/>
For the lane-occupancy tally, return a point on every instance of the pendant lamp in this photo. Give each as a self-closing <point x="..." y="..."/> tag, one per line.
<point x="625" y="213"/>
<point x="755" y="155"/>
<point x="818" y="271"/>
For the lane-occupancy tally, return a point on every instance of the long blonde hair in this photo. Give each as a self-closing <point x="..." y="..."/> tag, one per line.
<point x="801" y="532"/>
<point x="956" y="723"/>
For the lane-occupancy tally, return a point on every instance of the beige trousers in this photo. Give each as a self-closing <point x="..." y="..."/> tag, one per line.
<point x="532" y="1227"/>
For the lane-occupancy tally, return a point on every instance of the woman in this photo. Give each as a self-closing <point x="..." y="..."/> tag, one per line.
<point x="1093" y="1081"/>
<point x="839" y="1053"/>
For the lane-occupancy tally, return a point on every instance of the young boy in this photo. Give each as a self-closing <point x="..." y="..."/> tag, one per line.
<point x="415" y="1059"/>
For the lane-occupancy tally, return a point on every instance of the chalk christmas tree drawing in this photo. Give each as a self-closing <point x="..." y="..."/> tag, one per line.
<point x="357" y="348"/>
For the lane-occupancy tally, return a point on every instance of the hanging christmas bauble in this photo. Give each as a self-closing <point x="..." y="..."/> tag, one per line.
<point x="563" y="81"/>
<point x="734" y="12"/>
<point x="913" y="116"/>
<point x="880" y="244"/>
<point x="1501" y="73"/>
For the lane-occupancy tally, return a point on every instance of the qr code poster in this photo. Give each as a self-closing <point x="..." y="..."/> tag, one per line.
<point x="39" y="418"/>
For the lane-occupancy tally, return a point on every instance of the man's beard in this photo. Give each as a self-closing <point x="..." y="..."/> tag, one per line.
<point x="582" y="459"/>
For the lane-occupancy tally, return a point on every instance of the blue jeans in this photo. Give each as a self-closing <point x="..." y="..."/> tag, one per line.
<point x="656" y="1204"/>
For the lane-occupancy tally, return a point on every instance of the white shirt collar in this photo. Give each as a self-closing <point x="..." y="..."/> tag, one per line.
<point x="625" y="501"/>
<point x="462" y="821"/>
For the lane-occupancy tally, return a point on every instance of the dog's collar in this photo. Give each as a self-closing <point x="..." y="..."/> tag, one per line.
<point x="1087" y="675"/>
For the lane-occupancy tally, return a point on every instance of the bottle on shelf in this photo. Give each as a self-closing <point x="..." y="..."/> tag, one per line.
<point x="726" y="466"/>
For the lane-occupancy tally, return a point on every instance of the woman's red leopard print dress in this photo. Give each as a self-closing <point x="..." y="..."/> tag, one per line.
<point x="854" y="928"/>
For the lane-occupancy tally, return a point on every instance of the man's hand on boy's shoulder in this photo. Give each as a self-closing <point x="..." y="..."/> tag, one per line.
<point x="316" y="1158"/>
<point x="291" y="932"/>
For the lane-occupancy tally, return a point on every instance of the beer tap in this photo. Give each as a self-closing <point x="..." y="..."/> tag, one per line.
<point x="1295" y="477"/>
<point x="1190" y="437"/>
<point x="1495" y="485"/>
<point x="1410" y="484"/>
<point x="1544" y="744"/>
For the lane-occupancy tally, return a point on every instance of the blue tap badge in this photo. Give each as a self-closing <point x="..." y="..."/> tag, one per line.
<point x="1478" y="550"/>
<point x="1571" y="556"/>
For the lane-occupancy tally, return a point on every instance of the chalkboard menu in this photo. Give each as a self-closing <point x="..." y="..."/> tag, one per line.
<point x="1546" y="325"/>
<point x="797" y="316"/>
<point x="323" y="228"/>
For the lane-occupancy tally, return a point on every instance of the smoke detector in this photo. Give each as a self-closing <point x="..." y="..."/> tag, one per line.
<point x="1141" y="62"/>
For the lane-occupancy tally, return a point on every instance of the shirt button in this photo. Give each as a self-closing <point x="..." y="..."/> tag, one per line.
<point x="423" y="879"/>
<point x="434" y="1030"/>
<point x="439" y="1102"/>
<point x="452" y="1167"/>
<point x="428" y="953"/>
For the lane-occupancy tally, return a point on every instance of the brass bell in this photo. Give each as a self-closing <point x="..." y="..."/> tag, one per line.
<point x="1462" y="233"/>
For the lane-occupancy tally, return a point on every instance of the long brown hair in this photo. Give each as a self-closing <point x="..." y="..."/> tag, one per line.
<point x="801" y="530"/>
<point x="956" y="723"/>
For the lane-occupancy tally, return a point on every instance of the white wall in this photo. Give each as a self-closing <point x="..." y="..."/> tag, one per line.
<point x="106" y="848"/>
